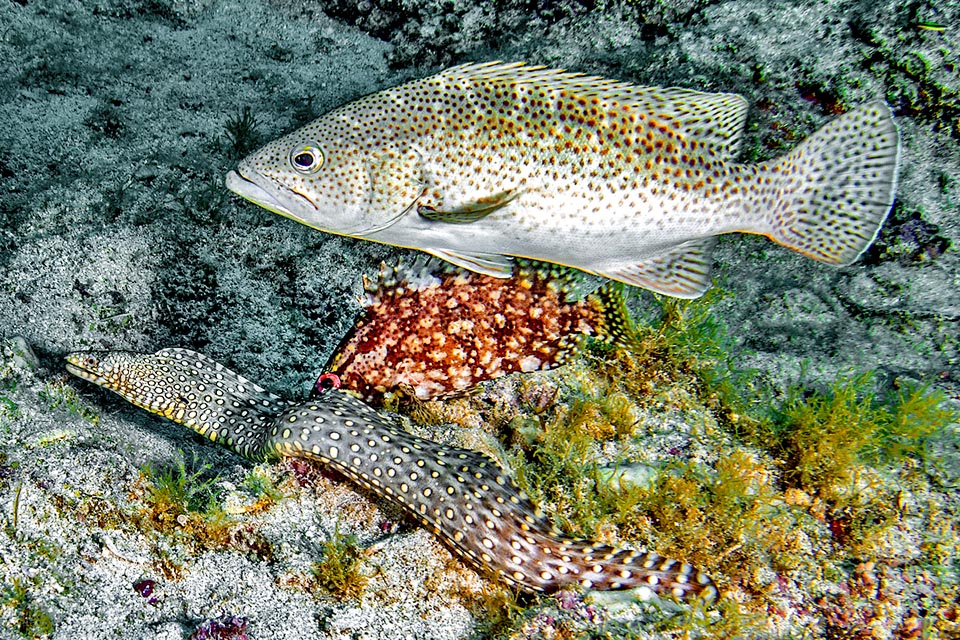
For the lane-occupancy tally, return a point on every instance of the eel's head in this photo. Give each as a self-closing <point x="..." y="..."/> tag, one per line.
<point x="188" y="388"/>
<point x="157" y="382"/>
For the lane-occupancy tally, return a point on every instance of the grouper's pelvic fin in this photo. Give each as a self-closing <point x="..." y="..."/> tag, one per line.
<point x="828" y="198"/>
<point x="489" y="264"/>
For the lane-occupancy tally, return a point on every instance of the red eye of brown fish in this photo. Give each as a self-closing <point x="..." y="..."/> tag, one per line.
<point x="328" y="381"/>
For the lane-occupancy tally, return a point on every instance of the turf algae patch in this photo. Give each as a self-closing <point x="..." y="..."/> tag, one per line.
<point x="824" y="435"/>
<point x="339" y="571"/>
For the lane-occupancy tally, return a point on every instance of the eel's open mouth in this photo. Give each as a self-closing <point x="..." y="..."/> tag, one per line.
<point x="84" y="364"/>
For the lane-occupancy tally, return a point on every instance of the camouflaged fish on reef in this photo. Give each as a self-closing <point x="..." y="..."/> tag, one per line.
<point x="432" y="330"/>
<point x="460" y="495"/>
<point x="482" y="162"/>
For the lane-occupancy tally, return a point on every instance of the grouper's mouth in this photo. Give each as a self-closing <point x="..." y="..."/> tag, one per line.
<point x="250" y="190"/>
<point x="263" y="192"/>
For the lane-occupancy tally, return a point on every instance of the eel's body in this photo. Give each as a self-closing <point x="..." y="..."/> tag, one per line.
<point x="460" y="495"/>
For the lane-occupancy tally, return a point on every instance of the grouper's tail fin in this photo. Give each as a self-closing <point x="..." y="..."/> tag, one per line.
<point x="835" y="189"/>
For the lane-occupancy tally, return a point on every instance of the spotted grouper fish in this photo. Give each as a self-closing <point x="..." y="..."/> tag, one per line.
<point x="433" y="331"/>
<point x="486" y="161"/>
<point x="462" y="496"/>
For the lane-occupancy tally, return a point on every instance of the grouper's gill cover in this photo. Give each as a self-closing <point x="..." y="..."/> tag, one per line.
<point x="434" y="330"/>
<point x="458" y="494"/>
<point x="486" y="161"/>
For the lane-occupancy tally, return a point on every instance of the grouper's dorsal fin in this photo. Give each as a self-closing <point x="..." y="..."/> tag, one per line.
<point x="714" y="120"/>
<point x="682" y="272"/>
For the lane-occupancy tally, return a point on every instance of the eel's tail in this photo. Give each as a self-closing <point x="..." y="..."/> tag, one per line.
<point x="551" y="561"/>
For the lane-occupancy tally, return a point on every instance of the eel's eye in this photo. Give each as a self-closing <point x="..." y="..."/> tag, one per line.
<point x="306" y="159"/>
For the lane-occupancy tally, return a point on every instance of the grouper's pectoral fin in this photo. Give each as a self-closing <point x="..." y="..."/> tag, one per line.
<point x="469" y="211"/>
<point x="682" y="272"/>
<point x="489" y="264"/>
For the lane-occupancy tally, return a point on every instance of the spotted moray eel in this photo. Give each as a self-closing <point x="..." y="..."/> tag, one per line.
<point x="462" y="496"/>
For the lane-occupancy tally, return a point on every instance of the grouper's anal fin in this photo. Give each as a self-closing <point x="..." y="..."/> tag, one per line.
<point x="681" y="272"/>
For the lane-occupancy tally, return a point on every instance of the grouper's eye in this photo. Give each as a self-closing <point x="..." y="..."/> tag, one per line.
<point x="306" y="158"/>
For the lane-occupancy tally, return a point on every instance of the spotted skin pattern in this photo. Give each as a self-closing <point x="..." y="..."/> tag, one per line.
<point x="486" y="161"/>
<point x="436" y="331"/>
<point x="462" y="496"/>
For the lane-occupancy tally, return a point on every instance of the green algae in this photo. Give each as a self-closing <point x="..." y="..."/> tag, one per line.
<point x="173" y="491"/>
<point x="824" y="438"/>
<point x="499" y="612"/>
<point x="29" y="618"/>
<point x="57" y="394"/>
<point x="338" y="572"/>
<point x="185" y="505"/>
<point x="264" y="490"/>
<point x="559" y="471"/>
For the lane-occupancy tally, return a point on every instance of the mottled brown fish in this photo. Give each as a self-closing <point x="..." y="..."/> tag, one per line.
<point x="486" y="161"/>
<point x="458" y="494"/>
<point x="433" y="331"/>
